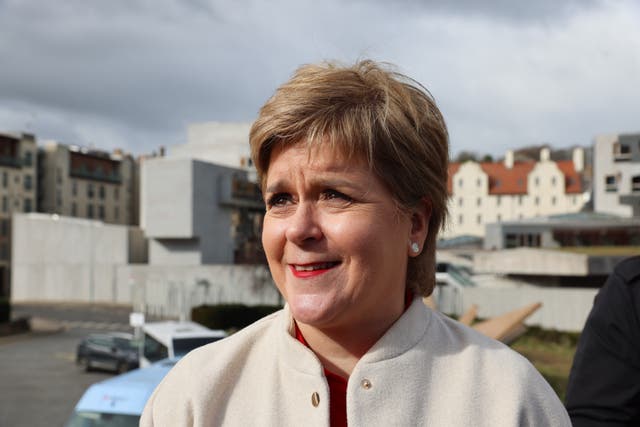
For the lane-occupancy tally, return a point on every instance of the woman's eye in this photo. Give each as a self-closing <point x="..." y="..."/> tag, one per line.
<point x="336" y="195"/>
<point x="279" y="199"/>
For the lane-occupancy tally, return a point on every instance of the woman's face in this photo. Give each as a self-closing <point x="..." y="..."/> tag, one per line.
<point x="336" y="243"/>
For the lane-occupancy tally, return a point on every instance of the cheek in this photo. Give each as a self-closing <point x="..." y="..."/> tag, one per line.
<point x="272" y="235"/>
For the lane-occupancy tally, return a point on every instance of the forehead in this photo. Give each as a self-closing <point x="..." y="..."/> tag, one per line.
<point x="314" y="157"/>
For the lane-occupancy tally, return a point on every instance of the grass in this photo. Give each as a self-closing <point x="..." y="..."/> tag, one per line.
<point x="551" y="352"/>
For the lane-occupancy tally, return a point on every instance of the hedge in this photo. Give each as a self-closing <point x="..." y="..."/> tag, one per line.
<point x="5" y="311"/>
<point x="230" y="316"/>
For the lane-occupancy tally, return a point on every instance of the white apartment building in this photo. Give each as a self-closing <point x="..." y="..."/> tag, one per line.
<point x="18" y="191"/>
<point x="489" y="192"/>
<point x="616" y="183"/>
<point x="88" y="183"/>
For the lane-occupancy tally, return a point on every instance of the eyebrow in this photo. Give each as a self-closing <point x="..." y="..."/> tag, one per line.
<point x="323" y="182"/>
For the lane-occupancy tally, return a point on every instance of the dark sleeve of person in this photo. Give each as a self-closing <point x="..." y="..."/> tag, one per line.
<point x="604" y="384"/>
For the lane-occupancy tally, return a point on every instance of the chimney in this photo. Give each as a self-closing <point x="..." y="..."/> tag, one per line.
<point x="508" y="159"/>
<point x="578" y="159"/>
<point x="545" y="154"/>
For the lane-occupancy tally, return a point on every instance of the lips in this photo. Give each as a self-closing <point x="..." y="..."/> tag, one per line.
<point x="312" y="269"/>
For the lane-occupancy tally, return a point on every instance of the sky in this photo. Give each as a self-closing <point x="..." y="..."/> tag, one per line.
<point x="132" y="74"/>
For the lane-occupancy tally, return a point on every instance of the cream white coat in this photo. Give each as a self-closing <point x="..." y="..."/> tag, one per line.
<point x="427" y="370"/>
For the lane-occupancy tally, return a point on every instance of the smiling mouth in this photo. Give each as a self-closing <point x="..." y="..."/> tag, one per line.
<point x="314" y="269"/>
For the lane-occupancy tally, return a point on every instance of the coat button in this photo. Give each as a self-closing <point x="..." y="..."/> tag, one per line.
<point x="366" y="384"/>
<point x="315" y="399"/>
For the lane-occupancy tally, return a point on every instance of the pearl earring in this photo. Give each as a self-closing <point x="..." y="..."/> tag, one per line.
<point x="415" y="248"/>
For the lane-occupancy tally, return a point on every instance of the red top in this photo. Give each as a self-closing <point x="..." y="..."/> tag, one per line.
<point x="338" y="384"/>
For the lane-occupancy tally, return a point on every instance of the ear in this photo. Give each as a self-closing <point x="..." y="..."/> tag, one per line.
<point x="420" y="217"/>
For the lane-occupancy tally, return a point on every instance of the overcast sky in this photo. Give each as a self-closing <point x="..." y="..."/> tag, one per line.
<point x="133" y="74"/>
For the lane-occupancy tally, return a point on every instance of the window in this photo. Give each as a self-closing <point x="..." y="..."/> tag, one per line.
<point x="116" y="213"/>
<point x="74" y="209"/>
<point x="101" y="192"/>
<point x="621" y="152"/>
<point x="5" y="204"/>
<point x="575" y="200"/>
<point x="498" y="201"/>
<point x="519" y="200"/>
<point x="479" y="182"/>
<point x="553" y="200"/>
<point x="101" y="212"/>
<point x="536" y="201"/>
<point x="479" y="219"/>
<point x="520" y="182"/>
<point x="460" y="202"/>
<point x="116" y="192"/>
<point x="460" y="183"/>
<point x="4" y="251"/>
<point x="553" y="181"/>
<point x="536" y="181"/>
<point x="58" y="198"/>
<point x="4" y="227"/>
<point x="16" y="179"/>
<point x="498" y="183"/>
<point x="5" y="179"/>
<point x="460" y="219"/>
<point x="27" y="205"/>
<point x="28" y="158"/>
<point x="28" y="184"/>
<point x="498" y="218"/>
<point x="89" y="211"/>
<point x="58" y="176"/>
<point x="479" y="201"/>
<point x="635" y="184"/>
<point x="610" y="183"/>
<point x="74" y="187"/>
<point x="90" y="191"/>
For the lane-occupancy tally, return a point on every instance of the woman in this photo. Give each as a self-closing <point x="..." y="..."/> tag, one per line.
<point x="353" y="166"/>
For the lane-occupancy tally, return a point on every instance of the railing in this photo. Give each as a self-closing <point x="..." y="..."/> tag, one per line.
<point x="96" y="176"/>
<point x="13" y="162"/>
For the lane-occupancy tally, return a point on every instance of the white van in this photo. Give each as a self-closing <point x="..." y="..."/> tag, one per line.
<point x="173" y="339"/>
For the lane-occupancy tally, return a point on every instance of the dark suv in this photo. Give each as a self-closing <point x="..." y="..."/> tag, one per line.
<point x="114" y="351"/>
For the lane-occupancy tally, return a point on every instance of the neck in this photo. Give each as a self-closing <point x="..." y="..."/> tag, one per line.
<point x="340" y="349"/>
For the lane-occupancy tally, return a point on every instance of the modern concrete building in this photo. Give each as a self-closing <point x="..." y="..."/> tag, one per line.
<point x="486" y="192"/>
<point x="197" y="213"/>
<point x="616" y="184"/>
<point x="222" y="143"/>
<point x="88" y="183"/>
<point x="18" y="192"/>
<point x="570" y="230"/>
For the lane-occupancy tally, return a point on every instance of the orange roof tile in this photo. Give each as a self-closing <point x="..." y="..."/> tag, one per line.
<point x="572" y="181"/>
<point x="507" y="181"/>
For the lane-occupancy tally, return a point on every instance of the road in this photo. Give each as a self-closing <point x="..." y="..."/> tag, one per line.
<point x="40" y="383"/>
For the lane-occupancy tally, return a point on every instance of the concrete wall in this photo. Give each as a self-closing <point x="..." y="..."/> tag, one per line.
<point x="169" y="291"/>
<point x="564" y="309"/>
<point x="66" y="259"/>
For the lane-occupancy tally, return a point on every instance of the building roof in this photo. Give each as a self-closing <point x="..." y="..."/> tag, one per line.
<point x="572" y="181"/>
<point x="503" y="180"/>
<point x="513" y="181"/>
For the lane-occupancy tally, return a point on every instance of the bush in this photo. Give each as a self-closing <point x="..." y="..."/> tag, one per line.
<point x="230" y="316"/>
<point x="5" y="311"/>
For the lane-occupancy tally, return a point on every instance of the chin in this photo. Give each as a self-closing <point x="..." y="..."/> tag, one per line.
<point x="311" y="310"/>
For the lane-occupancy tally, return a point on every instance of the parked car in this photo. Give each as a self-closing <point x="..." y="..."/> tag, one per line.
<point x="116" y="351"/>
<point x="119" y="401"/>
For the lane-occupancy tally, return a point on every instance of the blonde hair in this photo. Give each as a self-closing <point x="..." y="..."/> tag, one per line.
<point x="371" y="111"/>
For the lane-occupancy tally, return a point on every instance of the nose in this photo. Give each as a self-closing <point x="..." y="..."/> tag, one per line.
<point x="304" y="226"/>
